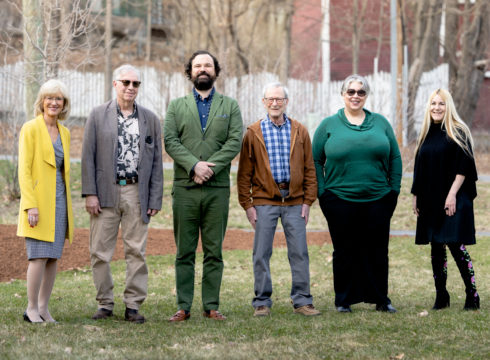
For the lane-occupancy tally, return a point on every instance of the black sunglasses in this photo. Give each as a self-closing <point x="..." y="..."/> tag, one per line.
<point x="352" y="92"/>
<point x="136" y="84"/>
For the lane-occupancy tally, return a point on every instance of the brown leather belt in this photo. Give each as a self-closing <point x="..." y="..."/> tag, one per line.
<point x="127" y="181"/>
<point x="283" y="186"/>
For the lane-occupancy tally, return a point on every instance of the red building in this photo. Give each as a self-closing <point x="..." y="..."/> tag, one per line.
<point x="371" y="18"/>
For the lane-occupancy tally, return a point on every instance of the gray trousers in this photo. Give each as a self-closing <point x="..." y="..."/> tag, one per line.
<point x="295" y="231"/>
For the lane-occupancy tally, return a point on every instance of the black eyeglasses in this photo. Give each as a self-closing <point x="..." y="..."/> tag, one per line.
<point x="352" y="92"/>
<point x="136" y="84"/>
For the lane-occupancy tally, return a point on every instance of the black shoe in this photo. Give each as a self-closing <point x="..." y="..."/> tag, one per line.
<point x="472" y="301"/>
<point x="442" y="300"/>
<point x="102" y="313"/>
<point x="26" y="318"/>
<point x="133" y="316"/>
<point x="386" y="308"/>
<point x="52" y="322"/>
<point x="344" y="309"/>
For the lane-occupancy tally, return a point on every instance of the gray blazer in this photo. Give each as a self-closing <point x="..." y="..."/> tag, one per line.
<point x="99" y="158"/>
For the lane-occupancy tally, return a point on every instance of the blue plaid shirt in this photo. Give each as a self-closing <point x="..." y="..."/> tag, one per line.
<point x="203" y="107"/>
<point x="278" y="144"/>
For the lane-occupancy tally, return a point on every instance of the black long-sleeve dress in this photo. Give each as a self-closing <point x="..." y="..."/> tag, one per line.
<point x="437" y="163"/>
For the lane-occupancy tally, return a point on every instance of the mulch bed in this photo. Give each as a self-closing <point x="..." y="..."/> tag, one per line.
<point x="13" y="260"/>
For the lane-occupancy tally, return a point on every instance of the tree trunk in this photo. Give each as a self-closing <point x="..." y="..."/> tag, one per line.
<point x="451" y="40"/>
<point x="108" y="52"/>
<point x="419" y="62"/>
<point x="33" y="61"/>
<point x="148" y="30"/>
<point x="285" y="54"/>
<point x="471" y="70"/>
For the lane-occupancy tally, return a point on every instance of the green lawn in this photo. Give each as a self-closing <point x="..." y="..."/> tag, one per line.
<point x="365" y="334"/>
<point x="412" y="333"/>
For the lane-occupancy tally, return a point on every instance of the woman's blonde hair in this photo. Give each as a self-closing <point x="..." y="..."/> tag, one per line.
<point x="455" y="128"/>
<point x="52" y="87"/>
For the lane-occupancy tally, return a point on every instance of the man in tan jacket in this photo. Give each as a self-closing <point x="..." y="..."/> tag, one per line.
<point x="276" y="179"/>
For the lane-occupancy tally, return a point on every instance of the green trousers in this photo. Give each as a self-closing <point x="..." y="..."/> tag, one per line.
<point x="203" y="209"/>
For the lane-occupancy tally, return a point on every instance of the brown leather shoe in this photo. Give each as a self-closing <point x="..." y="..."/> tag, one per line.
<point x="180" y="315"/>
<point x="214" y="314"/>
<point x="307" y="310"/>
<point x="262" y="311"/>
<point x="133" y="316"/>
<point x="102" y="313"/>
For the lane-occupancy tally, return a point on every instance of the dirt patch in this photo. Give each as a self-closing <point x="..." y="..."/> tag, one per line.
<point x="13" y="259"/>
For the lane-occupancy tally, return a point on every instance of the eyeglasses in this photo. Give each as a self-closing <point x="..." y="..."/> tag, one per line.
<point x="136" y="84"/>
<point x="352" y="92"/>
<point x="54" y="98"/>
<point x="279" y="101"/>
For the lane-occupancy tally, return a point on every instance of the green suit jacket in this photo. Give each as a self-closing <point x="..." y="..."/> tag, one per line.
<point x="187" y="144"/>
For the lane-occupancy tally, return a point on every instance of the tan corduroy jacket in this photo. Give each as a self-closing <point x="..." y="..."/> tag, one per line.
<point x="256" y="186"/>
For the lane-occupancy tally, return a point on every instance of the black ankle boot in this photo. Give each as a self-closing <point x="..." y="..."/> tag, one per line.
<point x="442" y="300"/>
<point x="472" y="301"/>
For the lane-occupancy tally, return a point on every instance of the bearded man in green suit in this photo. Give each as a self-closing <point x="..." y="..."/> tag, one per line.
<point x="203" y="133"/>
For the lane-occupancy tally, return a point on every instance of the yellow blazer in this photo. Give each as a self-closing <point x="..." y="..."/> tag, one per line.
<point x="37" y="179"/>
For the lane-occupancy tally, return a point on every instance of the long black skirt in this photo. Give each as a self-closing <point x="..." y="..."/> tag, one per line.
<point x="360" y="234"/>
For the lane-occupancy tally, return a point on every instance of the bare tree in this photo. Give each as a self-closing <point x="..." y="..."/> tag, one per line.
<point x="467" y="71"/>
<point x="465" y="43"/>
<point x="148" y="29"/>
<point x="33" y="53"/>
<point x="428" y="16"/>
<point x="108" y="51"/>
<point x="49" y="36"/>
<point x="357" y="31"/>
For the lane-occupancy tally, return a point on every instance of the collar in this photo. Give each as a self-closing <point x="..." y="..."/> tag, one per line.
<point x="286" y="120"/>
<point x="119" y="113"/>
<point x="198" y="97"/>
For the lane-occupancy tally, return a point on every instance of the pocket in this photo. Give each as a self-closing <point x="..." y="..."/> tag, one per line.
<point x="392" y="201"/>
<point x="220" y="128"/>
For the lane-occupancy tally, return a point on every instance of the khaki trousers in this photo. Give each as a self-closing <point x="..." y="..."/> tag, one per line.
<point x="103" y="237"/>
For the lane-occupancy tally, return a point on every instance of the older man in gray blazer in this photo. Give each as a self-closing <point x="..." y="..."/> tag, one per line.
<point x="122" y="182"/>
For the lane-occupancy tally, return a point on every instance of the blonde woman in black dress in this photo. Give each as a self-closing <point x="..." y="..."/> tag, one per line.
<point x="443" y="191"/>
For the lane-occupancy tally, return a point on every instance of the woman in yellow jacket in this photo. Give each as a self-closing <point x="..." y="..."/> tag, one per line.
<point x="45" y="215"/>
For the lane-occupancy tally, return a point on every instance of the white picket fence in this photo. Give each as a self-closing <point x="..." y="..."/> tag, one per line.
<point x="309" y="101"/>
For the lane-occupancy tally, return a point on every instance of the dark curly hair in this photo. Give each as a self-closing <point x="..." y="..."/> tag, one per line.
<point x="188" y="66"/>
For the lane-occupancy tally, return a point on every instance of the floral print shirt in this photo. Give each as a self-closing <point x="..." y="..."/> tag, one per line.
<point x="128" y="137"/>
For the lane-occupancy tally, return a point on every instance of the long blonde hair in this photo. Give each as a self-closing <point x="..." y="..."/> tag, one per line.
<point x="455" y="128"/>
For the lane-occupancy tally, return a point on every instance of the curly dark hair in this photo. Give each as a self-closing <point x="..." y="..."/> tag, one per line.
<point x="188" y="66"/>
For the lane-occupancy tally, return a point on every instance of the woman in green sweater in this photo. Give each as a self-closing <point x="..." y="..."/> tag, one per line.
<point x="358" y="167"/>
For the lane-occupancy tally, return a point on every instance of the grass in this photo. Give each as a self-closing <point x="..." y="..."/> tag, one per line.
<point x="403" y="218"/>
<point x="365" y="334"/>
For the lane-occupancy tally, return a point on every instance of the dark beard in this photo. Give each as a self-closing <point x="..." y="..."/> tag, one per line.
<point x="204" y="83"/>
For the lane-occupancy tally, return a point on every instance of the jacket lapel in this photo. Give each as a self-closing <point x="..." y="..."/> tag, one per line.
<point x="190" y="102"/>
<point x="64" y="135"/>
<point x="260" y="137"/>
<point x="215" y="105"/>
<point x="142" y="125"/>
<point x="46" y="143"/>
<point x="111" y="117"/>
<point x="294" y="133"/>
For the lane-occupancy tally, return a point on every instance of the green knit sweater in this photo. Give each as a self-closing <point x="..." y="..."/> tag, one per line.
<point x="357" y="163"/>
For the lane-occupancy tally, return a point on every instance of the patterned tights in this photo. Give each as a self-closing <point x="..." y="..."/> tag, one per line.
<point x="463" y="261"/>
